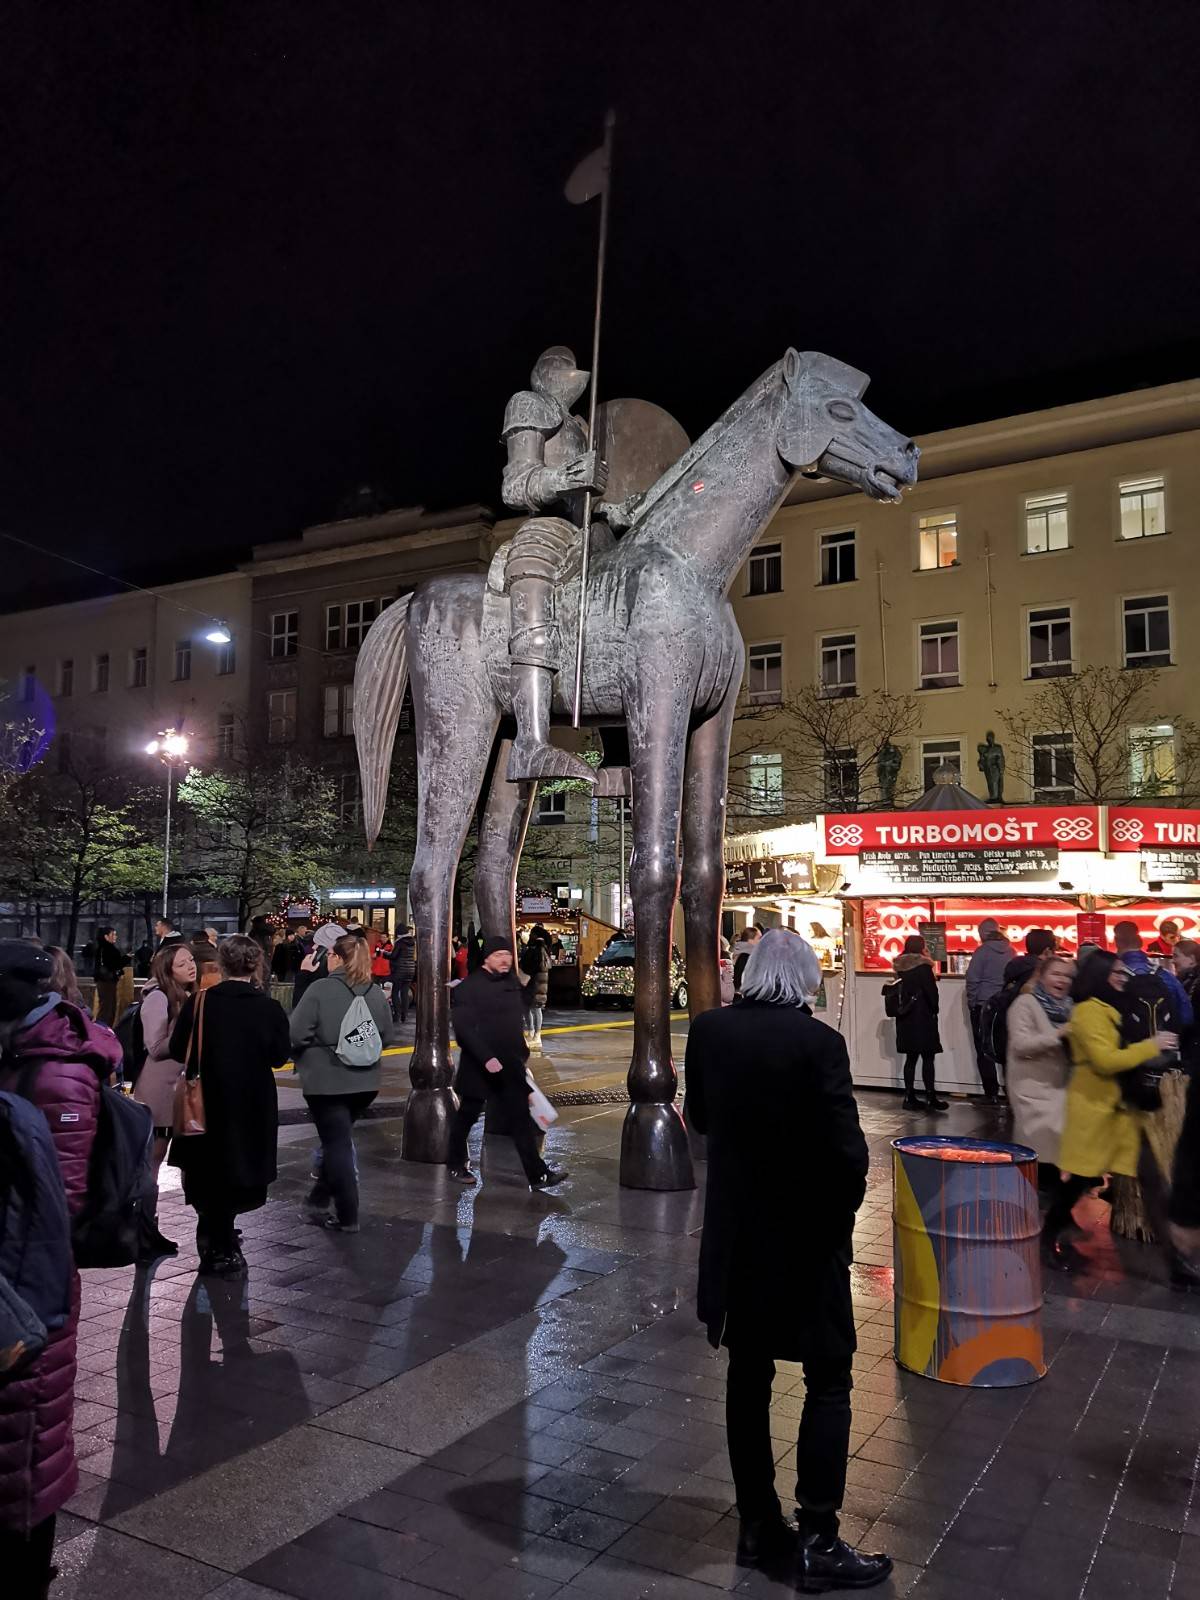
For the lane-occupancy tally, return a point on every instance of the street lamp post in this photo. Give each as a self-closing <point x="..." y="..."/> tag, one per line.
<point x="171" y="748"/>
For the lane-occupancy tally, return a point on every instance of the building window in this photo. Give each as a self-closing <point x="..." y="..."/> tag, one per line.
<point x="1053" y="761"/>
<point x="1050" y="642"/>
<point x="840" y="766"/>
<point x="766" y="785"/>
<point x="1143" y="508"/>
<point x="765" y="574"/>
<point x="1152" y="760"/>
<point x="339" y="710"/>
<point x="63" y="751"/>
<point x="139" y="667"/>
<point x="552" y="807"/>
<point x="764" y="673"/>
<point x="940" y="752"/>
<point x="100" y="673"/>
<point x="66" y="677"/>
<point x="225" y="734"/>
<point x="28" y="683"/>
<point x="285" y="633"/>
<point x="939" y="656"/>
<point x="349" y="799"/>
<point x="281" y="716"/>
<point x="1046" y="523"/>
<point x="183" y="660"/>
<point x="937" y="538"/>
<point x="346" y="624"/>
<point x="226" y="659"/>
<point x="1148" y="631"/>
<point x="839" y="670"/>
<point x="838" y="563"/>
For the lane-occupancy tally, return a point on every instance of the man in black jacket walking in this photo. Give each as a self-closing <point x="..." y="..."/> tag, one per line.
<point x="110" y="963"/>
<point x="787" y="1161"/>
<point x="488" y="1012"/>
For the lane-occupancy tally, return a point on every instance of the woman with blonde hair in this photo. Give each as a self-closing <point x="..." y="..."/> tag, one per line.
<point x="172" y="983"/>
<point x="1037" y="1068"/>
<point x="338" y="1032"/>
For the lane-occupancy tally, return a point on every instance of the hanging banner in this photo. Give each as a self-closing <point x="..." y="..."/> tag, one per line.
<point x="1133" y="828"/>
<point x="1018" y="864"/>
<point x="997" y="828"/>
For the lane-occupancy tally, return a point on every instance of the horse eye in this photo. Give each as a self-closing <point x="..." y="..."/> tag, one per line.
<point x="842" y="410"/>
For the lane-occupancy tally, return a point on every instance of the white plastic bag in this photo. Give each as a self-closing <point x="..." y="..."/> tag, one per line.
<point x="540" y="1109"/>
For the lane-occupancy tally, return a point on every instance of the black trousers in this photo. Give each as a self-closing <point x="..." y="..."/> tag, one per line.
<point x="106" y="1001"/>
<point x="216" y="1231"/>
<point x="512" y="1089"/>
<point x="402" y="998"/>
<point x="25" y="1561"/>
<point x="987" y="1067"/>
<point x="1071" y="1189"/>
<point x="334" y="1116"/>
<point x="928" y="1072"/>
<point x="822" y="1444"/>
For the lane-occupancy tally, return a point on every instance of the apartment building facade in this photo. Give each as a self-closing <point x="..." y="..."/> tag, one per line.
<point x="1032" y="547"/>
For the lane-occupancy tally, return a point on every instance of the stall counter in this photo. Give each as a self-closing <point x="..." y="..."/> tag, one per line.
<point x="870" y="1036"/>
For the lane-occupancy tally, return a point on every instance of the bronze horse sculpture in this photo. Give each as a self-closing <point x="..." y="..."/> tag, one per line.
<point x="664" y="657"/>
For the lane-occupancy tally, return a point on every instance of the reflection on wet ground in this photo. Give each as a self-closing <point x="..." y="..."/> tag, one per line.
<point x="493" y="1394"/>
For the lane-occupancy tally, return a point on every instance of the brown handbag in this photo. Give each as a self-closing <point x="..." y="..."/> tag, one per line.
<point x="189" y="1092"/>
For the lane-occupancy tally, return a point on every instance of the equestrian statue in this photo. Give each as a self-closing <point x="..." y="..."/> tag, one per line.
<point x="488" y="659"/>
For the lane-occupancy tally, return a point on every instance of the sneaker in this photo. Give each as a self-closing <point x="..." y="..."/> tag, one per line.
<point x="462" y="1174"/>
<point x="767" y="1542"/>
<point x="549" y="1178"/>
<point x="826" y="1564"/>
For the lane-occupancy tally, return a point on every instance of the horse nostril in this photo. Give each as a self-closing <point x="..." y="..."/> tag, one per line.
<point x="910" y="449"/>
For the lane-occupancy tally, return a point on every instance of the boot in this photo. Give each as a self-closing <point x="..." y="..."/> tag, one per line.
<point x="533" y="756"/>
<point x="830" y="1563"/>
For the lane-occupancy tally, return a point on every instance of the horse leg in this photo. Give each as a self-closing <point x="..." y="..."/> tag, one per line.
<point x="654" y="1144"/>
<point x="704" y="790"/>
<point x="454" y="742"/>
<point x="501" y="835"/>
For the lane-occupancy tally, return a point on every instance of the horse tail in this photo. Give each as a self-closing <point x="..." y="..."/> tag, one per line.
<point x="380" y="679"/>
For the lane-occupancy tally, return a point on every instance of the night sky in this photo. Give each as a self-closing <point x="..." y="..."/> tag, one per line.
<point x="256" y="253"/>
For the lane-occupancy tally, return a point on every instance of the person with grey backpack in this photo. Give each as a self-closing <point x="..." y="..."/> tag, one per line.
<point x="338" y="1031"/>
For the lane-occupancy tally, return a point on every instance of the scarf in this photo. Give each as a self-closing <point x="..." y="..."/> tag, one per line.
<point x="1059" y="1011"/>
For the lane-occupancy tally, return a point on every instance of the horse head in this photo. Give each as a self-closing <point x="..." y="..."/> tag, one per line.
<point x="825" y="431"/>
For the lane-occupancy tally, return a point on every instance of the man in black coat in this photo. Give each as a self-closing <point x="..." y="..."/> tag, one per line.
<point x="488" y="1012"/>
<point x="110" y="962"/>
<point x="403" y="962"/>
<point x="787" y="1168"/>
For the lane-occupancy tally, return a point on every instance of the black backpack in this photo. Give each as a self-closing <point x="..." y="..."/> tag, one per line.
<point x="120" y="1188"/>
<point x="993" y="1022"/>
<point x="133" y="1042"/>
<point x="1147" y="1008"/>
<point x="895" y="1002"/>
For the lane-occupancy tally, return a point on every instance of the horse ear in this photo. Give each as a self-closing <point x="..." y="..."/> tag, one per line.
<point x="805" y="430"/>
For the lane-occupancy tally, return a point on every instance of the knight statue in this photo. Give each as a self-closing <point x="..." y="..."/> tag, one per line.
<point x="549" y="464"/>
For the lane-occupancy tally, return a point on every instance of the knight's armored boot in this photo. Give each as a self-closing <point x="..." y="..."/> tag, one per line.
<point x="534" y="650"/>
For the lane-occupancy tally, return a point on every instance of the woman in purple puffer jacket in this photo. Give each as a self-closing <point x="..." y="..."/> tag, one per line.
<point x="57" y="1057"/>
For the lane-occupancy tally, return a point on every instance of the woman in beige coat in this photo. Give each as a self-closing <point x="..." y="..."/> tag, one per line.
<point x="172" y="981"/>
<point x="1037" y="1065"/>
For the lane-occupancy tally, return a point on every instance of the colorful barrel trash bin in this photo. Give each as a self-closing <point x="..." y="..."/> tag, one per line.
<point x="968" y="1263"/>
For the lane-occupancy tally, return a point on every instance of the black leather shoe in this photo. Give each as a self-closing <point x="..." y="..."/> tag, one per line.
<point x="462" y="1174"/>
<point x="911" y="1103"/>
<point x="549" y="1178"/>
<point x="767" y="1542"/>
<point x="833" y="1564"/>
<point x="932" y="1103"/>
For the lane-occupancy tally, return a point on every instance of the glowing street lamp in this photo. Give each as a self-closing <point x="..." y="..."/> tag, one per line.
<point x="171" y="748"/>
<point x="219" y="633"/>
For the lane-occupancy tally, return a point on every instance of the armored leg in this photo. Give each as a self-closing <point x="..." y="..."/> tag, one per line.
<point x="539" y="553"/>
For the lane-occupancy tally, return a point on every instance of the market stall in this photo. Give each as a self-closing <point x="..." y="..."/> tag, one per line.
<point x="1077" y="870"/>
<point x="576" y="940"/>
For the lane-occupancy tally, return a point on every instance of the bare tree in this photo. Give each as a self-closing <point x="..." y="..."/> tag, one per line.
<point x="828" y="749"/>
<point x="1117" y="743"/>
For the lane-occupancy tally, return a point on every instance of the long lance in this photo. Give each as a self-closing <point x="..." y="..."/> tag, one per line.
<point x="602" y="250"/>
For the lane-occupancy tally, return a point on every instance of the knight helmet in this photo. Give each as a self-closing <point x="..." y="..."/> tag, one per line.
<point x="556" y="374"/>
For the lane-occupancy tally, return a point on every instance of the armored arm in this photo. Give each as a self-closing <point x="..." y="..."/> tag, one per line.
<point x="529" y="484"/>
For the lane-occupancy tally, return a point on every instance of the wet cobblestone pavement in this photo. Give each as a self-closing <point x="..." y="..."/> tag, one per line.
<point x="501" y="1396"/>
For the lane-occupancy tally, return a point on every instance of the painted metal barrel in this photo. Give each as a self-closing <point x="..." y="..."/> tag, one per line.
<point x="968" y="1264"/>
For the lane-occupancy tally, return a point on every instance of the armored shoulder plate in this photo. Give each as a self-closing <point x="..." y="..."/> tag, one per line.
<point x="529" y="411"/>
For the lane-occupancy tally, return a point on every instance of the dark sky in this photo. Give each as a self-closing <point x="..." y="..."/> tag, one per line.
<point x="257" y="251"/>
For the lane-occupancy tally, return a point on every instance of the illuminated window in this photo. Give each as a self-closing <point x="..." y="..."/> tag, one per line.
<point x="839" y="670"/>
<point x="766" y="785"/>
<point x="1152" y="760"/>
<point x="764" y="673"/>
<point x="765" y="570"/>
<point x="1147" y="631"/>
<point x="1046" y="523"/>
<point x="838" y="564"/>
<point x="1050" y="642"/>
<point x="937" y="537"/>
<point x="1143" y="508"/>
<point x="939" y="656"/>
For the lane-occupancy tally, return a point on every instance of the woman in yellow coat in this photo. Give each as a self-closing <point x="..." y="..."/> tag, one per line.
<point x="1100" y="1132"/>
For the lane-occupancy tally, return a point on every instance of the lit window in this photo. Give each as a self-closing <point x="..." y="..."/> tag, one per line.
<point x="66" y="678"/>
<point x="346" y="625"/>
<point x="1152" y="760"/>
<point x="338" y="710"/>
<point x="183" y="660"/>
<point x="940" y="752"/>
<point x="841" y="777"/>
<point x="764" y="673"/>
<point x="838" y="557"/>
<point x="1053" y="760"/>
<point x="765" y="574"/>
<point x="766" y="785"/>
<point x="285" y="633"/>
<point x="1143" y="508"/>
<point x="1050" y="642"/>
<point x="281" y="716"/>
<point x="938" y="540"/>
<point x="839" y="671"/>
<point x="939" y="656"/>
<point x="226" y="659"/>
<point x="1148" y="631"/>
<point x="100" y="673"/>
<point x="225" y="734"/>
<point x="139" y="667"/>
<point x="552" y="807"/>
<point x="1046" y="525"/>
